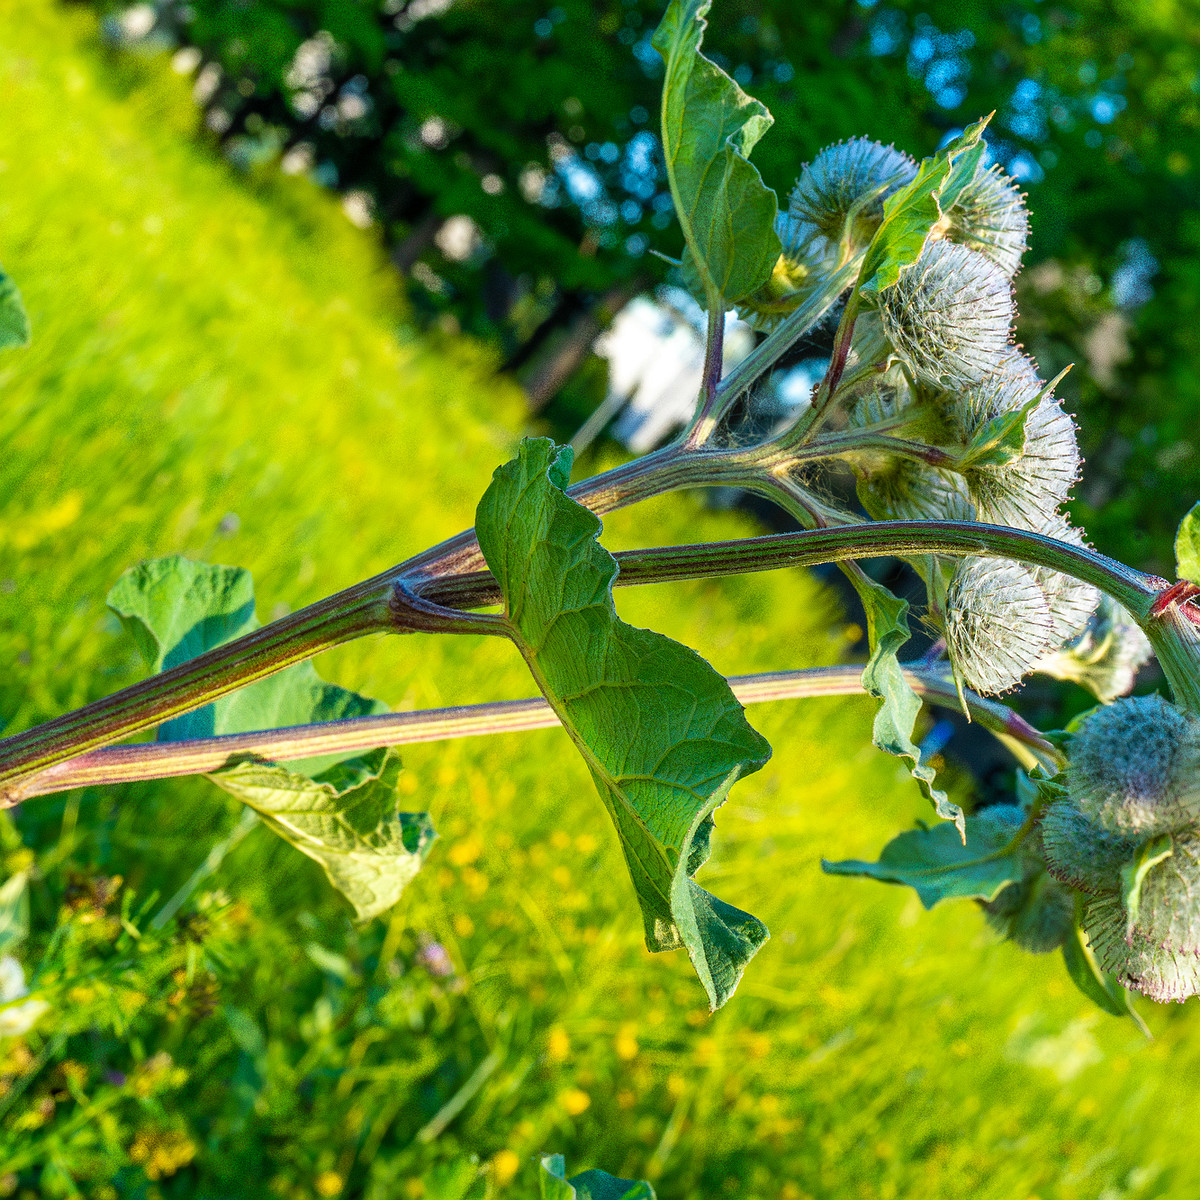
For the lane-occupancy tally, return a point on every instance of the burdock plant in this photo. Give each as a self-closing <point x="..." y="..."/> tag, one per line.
<point x="963" y="458"/>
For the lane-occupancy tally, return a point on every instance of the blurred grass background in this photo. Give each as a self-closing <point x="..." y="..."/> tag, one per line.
<point x="224" y="368"/>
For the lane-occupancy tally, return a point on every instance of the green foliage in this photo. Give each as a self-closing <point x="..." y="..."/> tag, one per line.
<point x="1187" y="547"/>
<point x="940" y="865"/>
<point x="345" y="819"/>
<point x="175" y="609"/>
<point x="339" y="811"/>
<point x="14" y="322"/>
<point x="887" y="634"/>
<point x="588" y="1185"/>
<point x="709" y="128"/>
<point x="304" y="1053"/>
<point x="660" y="730"/>
<point x="910" y="213"/>
<point x="1101" y="987"/>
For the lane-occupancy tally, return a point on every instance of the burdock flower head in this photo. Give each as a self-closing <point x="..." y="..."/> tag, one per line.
<point x="998" y="623"/>
<point x="1025" y="491"/>
<point x="989" y="215"/>
<point x="1127" y="835"/>
<point x="849" y="180"/>
<point x="1105" y="655"/>
<point x="949" y="316"/>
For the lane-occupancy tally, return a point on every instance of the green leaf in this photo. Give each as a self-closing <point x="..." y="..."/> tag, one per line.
<point x="340" y="811"/>
<point x="588" y="1185"/>
<point x="1149" y="854"/>
<point x="176" y="609"/>
<point x="883" y="677"/>
<point x="939" y="866"/>
<point x="1187" y="547"/>
<point x="1002" y="439"/>
<point x="660" y="730"/>
<point x="1098" y="985"/>
<point x="14" y="322"/>
<point x="709" y="127"/>
<point x="910" y="213"/>
<point x="346" y="822"/>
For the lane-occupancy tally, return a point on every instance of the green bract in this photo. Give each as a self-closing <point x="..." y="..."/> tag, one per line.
<point x="659" y="729"/>
<point x="709" y="127"/>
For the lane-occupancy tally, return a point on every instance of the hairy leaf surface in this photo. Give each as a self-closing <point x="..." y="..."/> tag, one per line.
<point x="588" y="1185"/>
<point x="340" y="811"/>
<point x="14" y="322"/>
<point x="709" y="127"/>
<point x="910" y="213"/>
<point x="939" y="866"/>
<point x="660" y="730"/>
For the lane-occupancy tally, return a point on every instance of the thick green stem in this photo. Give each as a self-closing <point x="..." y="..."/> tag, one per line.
<point x="810" y="547"/>
<point x="350" y="614"/>
<point x="377" y="605"/>
<point x="162" y="760"/>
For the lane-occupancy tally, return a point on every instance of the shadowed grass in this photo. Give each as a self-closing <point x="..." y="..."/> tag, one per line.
<point x="224" y="372"/>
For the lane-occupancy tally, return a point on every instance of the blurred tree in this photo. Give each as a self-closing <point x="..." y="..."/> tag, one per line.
<point x="509" y="151"/>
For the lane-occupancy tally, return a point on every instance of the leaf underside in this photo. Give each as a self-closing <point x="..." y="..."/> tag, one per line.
<point x="938" y="865"/>
<point x="660" y="730"/>
<point x="883" y="677"/>
<point x="709" y="127"/>
<point x="339" y="811"/>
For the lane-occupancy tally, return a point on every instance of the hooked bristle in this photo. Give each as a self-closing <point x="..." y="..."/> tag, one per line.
<point x="949" y="316"/>
<point x="846" y="174"/>
<point x="998" y="623"/>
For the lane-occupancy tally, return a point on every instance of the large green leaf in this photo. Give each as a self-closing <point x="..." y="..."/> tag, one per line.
<point x="910" y="213"/>
<point x="345" y="819"/>
<point x="339" y="811"/>
<point x="1187" y="547"/>
<point x="939" y="866"/>
<point x="176" y="609"/>
<point x="14" y="323"/>
<point x="588" y="1185"/>
<point x="709" y="127"/>
<point x="660" y="730"/>
<point x="883" y="677"/>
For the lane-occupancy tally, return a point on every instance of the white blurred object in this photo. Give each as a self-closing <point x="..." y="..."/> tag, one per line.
<point x="16" y="1019"/>
<point x="655" y="352"/>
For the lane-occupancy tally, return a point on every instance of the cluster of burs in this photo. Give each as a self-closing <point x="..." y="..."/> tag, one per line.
<point x="933" y="365"/>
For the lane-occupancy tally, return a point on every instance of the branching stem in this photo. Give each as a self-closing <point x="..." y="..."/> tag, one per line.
<point x="162" y="760"/>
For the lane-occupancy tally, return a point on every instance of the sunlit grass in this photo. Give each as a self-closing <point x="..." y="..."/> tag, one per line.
<point x="224" y="372"/>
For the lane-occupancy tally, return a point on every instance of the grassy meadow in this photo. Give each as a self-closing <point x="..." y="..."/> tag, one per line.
<point x="221" y="367"/>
